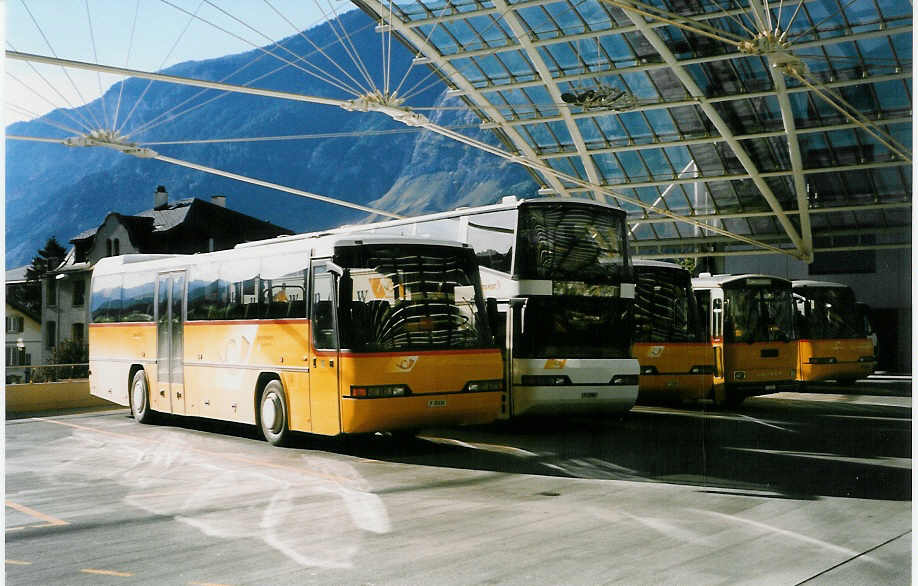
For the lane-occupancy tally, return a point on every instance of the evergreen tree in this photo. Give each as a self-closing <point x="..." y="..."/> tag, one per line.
<point x="47" y="260"/>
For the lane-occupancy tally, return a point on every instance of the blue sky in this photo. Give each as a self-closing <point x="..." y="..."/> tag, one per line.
<point x="158" y="25"/>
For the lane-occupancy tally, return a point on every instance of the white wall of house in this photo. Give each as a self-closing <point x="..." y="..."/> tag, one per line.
<point x="111" y="233"/>
<point x="23" y="342"/>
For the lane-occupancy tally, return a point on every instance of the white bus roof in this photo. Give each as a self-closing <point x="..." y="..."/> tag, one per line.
<point x="643" y="262"/>
<point x="710" y="281"/>
<point x="811" y="283"/>
<point x="317" y="247"/>
<point x="507" y="203"/>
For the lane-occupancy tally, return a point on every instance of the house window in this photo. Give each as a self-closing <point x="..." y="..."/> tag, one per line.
<point x="17" y="356"/>
<point x="108" y="247"/>
<point x="50" y="334"/>
<point x="79" y="292"/>
<point x="76" y="333"/>
<point x="116" y="247"/>
<point x="14" y="324"/>
<point x="52" y="292"/>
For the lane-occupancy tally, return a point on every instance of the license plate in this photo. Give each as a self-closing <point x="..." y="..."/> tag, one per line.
<point x="436" y="403"/>
<point x="770" y="387"/>
<point x="588" y="395"/>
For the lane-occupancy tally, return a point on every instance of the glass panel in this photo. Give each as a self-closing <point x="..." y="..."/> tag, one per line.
<point x="565" y="326"/>
<point x="664" y="308"/>
<point x="323" y="313"/>
<point x="571" y="242"/>
<point x="827" y="312"/>
<point x="105" y="304"/>
<point x="177" y="358"/>
<point x="138" y="297"/>
<point x="162" y="329"/>
<point x="759" y="312"/>
<point x="492" y="237"/>
<point x="403" y="297"/>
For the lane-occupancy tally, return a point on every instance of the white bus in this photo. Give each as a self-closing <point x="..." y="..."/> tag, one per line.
<point x="558" y="279"/>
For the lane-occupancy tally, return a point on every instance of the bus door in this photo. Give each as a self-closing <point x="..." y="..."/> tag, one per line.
<point x="324" y="402"/>
<point x="717" y="336"/>
<point x="514" y="328"/>
<point x="169" y="395"/>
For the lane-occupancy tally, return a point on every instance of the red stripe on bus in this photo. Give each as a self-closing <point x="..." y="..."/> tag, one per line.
<point x="234" y="322"/>
<point x="326" y="353"/>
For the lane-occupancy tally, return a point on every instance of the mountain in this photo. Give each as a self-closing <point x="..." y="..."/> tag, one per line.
<point x="53" y="190"/>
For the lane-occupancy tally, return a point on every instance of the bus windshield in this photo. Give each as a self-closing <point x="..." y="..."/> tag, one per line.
<point x="562" y="326"/>
<point x="664" y="307"/>
<point x="395" y="297"/>
<point x="828" y="312"/>
<point x="758" y="312"/>
<point x="563" y="241"/>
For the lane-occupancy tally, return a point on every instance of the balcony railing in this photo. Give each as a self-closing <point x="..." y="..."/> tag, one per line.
<point x="42" y="373"/>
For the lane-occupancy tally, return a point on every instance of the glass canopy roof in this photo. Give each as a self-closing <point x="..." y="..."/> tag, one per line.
<point x="721" y="127"/>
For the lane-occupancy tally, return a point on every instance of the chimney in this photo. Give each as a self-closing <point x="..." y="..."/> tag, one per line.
<point x="160" y="197"/>
<point x="218" y="200"/>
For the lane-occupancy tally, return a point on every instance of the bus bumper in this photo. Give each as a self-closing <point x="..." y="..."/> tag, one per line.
<point x="424" y="410"/>
<point x="837" y="371"/>
<point x="573" y="399"/>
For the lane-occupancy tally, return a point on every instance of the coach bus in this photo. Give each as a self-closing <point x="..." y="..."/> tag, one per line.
<point x="832" y="340"/>
<point x="557" y="276"/>
<point x="750" y="325"/>
<point x="328" y="335"/>
<point x="677" y="361"/>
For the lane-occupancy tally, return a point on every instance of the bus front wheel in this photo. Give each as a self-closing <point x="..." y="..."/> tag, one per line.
<point x="272" y="414"/>
<point x="140" y="398"/>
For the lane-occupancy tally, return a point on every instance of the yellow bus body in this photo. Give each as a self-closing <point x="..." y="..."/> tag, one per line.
<point x="846" y="353"/>
<point x="760" y="367"/>
<point x="223" y="362"/>
<point x="672" y="363"/>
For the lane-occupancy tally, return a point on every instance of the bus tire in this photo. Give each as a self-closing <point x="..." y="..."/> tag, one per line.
<point x="272" y="414"/>
<point x="140" y="398"/>
<point x="846" y="382"/>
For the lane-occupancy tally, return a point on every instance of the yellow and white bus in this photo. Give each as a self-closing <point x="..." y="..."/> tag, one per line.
<point x="558" y="278"/>
<point x="324" y="334"/>
<point x="832" y="337"/>
<point x="750" y="324"/>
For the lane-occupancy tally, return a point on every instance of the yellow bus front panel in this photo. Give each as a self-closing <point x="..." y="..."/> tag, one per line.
<point x="436" y="387"/>
<point x="760" y="367"/>
<point x="674" y="371"/>
<point x="839" y="359"/>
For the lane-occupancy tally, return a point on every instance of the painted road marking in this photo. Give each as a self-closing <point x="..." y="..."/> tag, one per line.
<point x="49" y="521"/>
<point x="106" y="572"/>
<point x="18" y="563"/>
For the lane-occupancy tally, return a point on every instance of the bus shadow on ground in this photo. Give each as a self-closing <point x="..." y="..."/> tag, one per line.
<point x="795" y="449"/>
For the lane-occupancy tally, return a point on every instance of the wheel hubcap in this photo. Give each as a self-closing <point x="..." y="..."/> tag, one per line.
<point x="138" y="397"/>
<point x="269" y="410"/>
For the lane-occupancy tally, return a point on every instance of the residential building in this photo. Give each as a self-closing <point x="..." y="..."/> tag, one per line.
<point x="23" y="330"/>
<point x="184" y="226"/>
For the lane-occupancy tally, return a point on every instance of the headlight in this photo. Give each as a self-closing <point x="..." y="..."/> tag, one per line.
<point x="484" y="385"/>
<point x="702" y="369"/>
<point x="739" y="375"/>
<point x="378" y="391"/>
<point x="624" y="379"/>
<point x="545" y="380"/>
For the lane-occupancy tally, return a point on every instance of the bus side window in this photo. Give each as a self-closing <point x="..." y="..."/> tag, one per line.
<point x="323" y="313"/>
<point x="718" y="318"/>
<point x="704" y="311"/>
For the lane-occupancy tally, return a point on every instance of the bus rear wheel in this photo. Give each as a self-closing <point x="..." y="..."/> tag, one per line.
<point x="272" y="414"/>
<point x="140" y="398"/>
